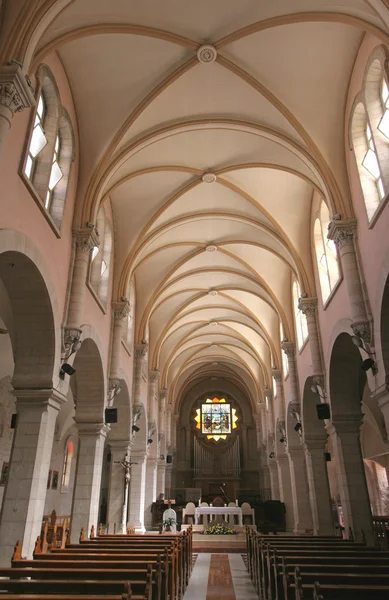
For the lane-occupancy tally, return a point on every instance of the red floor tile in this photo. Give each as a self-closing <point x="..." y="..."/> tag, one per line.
<point x="220" y="584"/>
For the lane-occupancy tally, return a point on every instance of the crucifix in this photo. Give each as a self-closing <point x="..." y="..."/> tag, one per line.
<point x="126" y="464"/>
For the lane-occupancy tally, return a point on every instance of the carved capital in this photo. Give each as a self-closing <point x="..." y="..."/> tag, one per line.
<point x="71" y="337"/>
<point x="277" y="375"/>
<point x="15" y="91"/>
<point x="267" y="393"/>
<point x="86" y="239"/>
<point x="163" y="394"/>
<point x="308" y="306"/>
<point x="290" y="349"/>
<point x="362" y="330"/>
<point x="154" y="375"/>
<point x="121" y="310"/>
<point x="281" y="427"/>
<point x="342" y="232"/>
<point x="141" y="349"/>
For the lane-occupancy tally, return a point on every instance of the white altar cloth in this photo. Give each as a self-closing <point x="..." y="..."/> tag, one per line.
<point x="226" y="511"/>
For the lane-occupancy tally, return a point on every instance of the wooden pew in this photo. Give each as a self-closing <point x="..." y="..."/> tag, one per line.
<point x="338" y="591"/>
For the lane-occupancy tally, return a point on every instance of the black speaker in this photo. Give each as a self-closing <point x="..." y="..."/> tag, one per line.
<point x="327" y="456"/>
<point x="111" y="415"/>
<point x="169" y="459"/>
<point x="14" y="418"/>
<point x="323" y="411"/>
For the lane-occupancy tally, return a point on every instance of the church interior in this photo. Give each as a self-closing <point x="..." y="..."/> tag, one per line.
<point x="194" y="295"/>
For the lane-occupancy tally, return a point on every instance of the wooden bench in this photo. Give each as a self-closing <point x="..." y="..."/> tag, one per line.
<point x="272" y="562"/>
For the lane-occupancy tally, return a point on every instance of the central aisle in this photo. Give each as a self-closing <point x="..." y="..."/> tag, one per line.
<point x="220" y="577"/>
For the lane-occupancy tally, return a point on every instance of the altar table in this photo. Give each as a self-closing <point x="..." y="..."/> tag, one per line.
<point x="225" y="511"/>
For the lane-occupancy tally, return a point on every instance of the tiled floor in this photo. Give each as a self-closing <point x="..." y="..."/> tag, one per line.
<point x="220" y="577"/>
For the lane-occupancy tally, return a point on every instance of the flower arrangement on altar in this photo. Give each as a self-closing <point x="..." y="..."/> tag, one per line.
<point x="219" y="529"/>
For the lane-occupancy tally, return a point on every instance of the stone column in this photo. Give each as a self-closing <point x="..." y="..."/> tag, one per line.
<point x="152" y="449"/>
<point x="150" y="489"/>
<point x="308" y="308"/>
<point x="279" y="408"/>
<point x="344" y="235"/>
<point x="319" y="490"/>
<point x="15" y="95"/>
<point x="117" y="499"/>
<point x="25" y="492"/>
<point x="86" y="495"/>
<point x="137" y="491"/>
<point x="345" y="436"/>
<point x="300" y="491"/>
<point x="120" y="314"/>
<point x="140" y="374"/>
<point x="161" y="470"/>
<point x="273" y="470"/>
<point x="285" y="487"/>
<point x="290" y="350"/>
<point x="85" y="240"/>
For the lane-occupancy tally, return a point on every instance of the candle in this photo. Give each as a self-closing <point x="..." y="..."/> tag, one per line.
<point x="199" y="501"/>
<point x="236" y="502"/>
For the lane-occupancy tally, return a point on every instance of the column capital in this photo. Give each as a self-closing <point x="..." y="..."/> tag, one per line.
<point x="38" y="398"/>
<point x="289" y="348"/>
<point x="92" y="429"/>
<point x="119" y="446"/>
<point x="308" y="306"/>
<point x="121" y="309"/>
<point x="71" y="336"/>
<point x="86" y="238"/>
<point x="141" y="349"/>
<point x="345" y="424"/>
<point x="267" y="393"/>
<point x="315" y="442"/>
<point x="16" y="92"/>
<point x="163" y="394"/>
<point x="277" y="375"/>
<point x="342" y="232"/>
<point x="154" y="375"/>
<point x="362" y="329"/>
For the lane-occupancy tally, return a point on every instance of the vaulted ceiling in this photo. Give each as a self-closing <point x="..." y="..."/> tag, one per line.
<point x="210" y="161"/>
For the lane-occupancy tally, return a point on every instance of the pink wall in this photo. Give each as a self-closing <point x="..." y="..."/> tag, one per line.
<point x="21" y="212"/>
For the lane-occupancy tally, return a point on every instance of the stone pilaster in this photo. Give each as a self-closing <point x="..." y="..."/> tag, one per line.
<point x="25" y="492"/>
<point x="153" y="396"/>
<point x="118" y="489"/>
<point x="140" y="374"/>
<point x="161" y="472"/>
<point x="345" y="436"/>
<point x="308" y="307"/>
<point x="86" y="495"/>
<point x="344" y="235"/>
<point x="15" y="95"/>
<point x="285" y="488"/>
<point x="319" y="491"/>
<point x="279" y="408"/>
<point x="268" y="394"/>
<point x="121" y="311"/>
<point x="150" y="489"/>
<point x="137" y="491"/>
<point x="300" y="491"/>
<point x="85" y="240"/>
<point x="290" y="350"/>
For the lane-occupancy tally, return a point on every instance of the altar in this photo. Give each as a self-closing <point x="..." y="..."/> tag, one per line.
<point x="226" y="511"/>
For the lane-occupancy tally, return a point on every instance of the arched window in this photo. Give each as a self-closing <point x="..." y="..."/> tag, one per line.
<point x="285" y="364"/>
<point x="101" y="258"/>
<point x="67" y="463"/>
<point x="370" y="133"/>
<point x="50" y="151"/>
<point x="326" y="253"/>
<point x="301" y="322"/>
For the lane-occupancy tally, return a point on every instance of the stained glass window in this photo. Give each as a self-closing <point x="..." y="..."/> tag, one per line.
<point x="216" y="418"/>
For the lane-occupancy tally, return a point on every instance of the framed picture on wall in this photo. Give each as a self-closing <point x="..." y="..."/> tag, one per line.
<point x="4" y="473"/>
<point x="49" y="479"/>
<point x="54" y="481"/>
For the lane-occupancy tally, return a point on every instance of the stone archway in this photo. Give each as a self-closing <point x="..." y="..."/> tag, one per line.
<point x="29" y="311"/>
<point x="89" y="396"/>
<point x="346" y="384"/>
